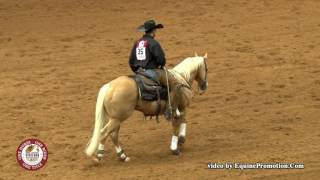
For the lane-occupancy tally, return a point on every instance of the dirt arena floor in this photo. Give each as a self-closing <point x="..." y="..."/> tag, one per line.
<point x="263" y="102"/>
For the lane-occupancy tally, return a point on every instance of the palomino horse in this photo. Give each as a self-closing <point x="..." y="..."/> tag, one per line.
<point x="119" y="98"/>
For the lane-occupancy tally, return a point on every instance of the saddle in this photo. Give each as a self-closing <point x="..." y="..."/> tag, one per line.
<point x="149" y="89"/>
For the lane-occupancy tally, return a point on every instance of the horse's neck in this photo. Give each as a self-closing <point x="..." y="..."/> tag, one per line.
<point x="187" y="76"/>
<point x="187" y="70"/>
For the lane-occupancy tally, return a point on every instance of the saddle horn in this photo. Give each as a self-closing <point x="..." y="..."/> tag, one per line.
<point x="206" y="56"/>
<point x="195" y="54"/>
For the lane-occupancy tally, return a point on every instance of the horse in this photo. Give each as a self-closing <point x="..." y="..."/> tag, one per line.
<point x="118" y="99"/>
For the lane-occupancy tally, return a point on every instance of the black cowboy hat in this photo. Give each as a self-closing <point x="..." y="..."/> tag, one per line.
<point x="149" y="25"/>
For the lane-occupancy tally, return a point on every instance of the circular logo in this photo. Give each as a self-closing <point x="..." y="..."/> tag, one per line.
<point x="32" y="154"/>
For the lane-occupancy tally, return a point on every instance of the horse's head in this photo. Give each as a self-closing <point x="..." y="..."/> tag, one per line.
<point x="202" y="73"/>
<point x="194" y="68"/>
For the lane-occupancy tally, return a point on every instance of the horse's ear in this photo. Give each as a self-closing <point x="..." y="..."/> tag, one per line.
<point x="205" y="56"/>
<point x="195" y="54"/>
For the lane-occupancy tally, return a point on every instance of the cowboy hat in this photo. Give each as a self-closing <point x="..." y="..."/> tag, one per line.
<point x="149" y="25"/>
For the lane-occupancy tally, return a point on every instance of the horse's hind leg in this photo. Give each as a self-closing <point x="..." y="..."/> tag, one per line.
<point x="120" y="152"/>
<point x="110" y="127"/>
<point x="101" y="151"/>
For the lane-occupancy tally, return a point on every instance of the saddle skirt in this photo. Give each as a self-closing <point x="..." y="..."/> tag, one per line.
<point x="149" y="89"/>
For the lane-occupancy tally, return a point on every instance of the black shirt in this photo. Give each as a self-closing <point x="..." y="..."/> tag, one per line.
<point x="147" y="53"/>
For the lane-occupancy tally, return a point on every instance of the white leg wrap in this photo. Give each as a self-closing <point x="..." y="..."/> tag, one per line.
<point x="178" y="112"/>
<point x="101" y="147"/>
<point x="123" y="156"/>
<point x="118" y="149"/>
<point x="174" y="143"/>
<point x="182" y="130"/>
<point x="100" y="153"/>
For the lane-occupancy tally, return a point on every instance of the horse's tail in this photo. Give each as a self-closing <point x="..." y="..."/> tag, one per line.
<point x="100" y="118"/>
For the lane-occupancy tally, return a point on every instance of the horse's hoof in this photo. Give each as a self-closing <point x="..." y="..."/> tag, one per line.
<point x="175" y="152"/>
<point x="181" y="140"/>
<point x="127" y="159"/>
<point x="96" y="159"/>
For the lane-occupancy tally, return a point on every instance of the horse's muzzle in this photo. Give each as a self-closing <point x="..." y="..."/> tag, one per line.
<point x="203" y="85"/>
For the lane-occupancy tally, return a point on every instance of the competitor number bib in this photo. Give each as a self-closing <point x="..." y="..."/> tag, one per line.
<point x="141" y="50"/>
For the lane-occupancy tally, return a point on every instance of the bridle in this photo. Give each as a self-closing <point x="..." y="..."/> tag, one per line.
<point x="204" y="83"/>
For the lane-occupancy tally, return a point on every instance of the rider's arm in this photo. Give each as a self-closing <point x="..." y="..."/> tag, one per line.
<point x="159" y="55"/>
<point x="132" y="59"/>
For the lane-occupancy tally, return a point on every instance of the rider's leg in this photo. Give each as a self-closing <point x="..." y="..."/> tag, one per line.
<point x="162" y="79"/>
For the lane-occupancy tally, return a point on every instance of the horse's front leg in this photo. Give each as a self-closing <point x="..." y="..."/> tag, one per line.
<point x="179" y="133"/>
<point x="182" y="132"/>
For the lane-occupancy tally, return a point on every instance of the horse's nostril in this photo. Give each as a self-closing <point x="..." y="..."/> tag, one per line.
<point x="203" y="85"/>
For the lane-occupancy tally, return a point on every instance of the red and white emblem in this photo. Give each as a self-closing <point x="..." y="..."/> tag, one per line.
<point x="32" y="154"/>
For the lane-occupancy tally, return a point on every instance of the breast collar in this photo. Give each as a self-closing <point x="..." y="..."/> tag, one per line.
<point x="184" y="83"/>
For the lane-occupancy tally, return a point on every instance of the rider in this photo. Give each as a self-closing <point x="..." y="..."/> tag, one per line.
<point x="147" y="52"/>
<point x="148" y="58"/>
